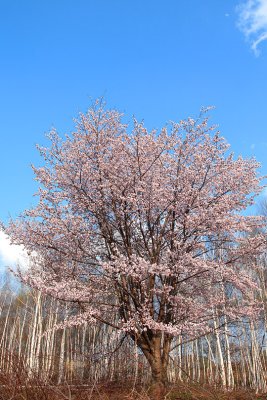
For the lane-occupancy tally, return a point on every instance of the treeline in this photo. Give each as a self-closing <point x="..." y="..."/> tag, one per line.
<point x="31" y="334"/>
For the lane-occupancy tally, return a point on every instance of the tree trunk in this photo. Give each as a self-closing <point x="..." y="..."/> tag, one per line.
<point x="159" y="378"/>
<point x="156" y="351"/>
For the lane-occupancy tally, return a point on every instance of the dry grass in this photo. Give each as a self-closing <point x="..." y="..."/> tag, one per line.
<point x="17" y="385"/>
<point x="16" y="389"/>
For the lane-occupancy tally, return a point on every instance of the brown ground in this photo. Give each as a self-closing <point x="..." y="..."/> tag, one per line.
<point x="119" y="392"/>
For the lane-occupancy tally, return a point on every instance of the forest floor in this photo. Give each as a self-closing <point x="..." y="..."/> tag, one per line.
<point x="121" y="392"/>
<point x="181" y="392"/>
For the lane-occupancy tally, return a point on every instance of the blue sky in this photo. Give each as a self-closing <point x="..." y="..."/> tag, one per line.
<point x="159" y="60"/>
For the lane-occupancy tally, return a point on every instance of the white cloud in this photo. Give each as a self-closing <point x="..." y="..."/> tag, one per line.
<point x="12" y="255"/>
<point x="253" y="22"/>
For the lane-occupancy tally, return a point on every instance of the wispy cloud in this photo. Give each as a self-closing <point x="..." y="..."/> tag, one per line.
<point x="253" y="22"/>
<point x="12" y="255"/>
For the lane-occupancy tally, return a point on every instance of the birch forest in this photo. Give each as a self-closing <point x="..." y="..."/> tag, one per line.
<point x="34" y="346"/>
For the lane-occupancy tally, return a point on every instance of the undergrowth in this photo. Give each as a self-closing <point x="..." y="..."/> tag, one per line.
<point x="21" y="384"/>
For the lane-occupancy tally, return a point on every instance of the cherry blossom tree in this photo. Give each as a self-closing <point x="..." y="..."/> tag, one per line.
<point x="129" y="225"/>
